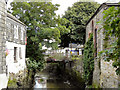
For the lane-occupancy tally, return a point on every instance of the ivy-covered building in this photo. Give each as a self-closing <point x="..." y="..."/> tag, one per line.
<point x="104" y="74"/>
<point x="12" y="45"/>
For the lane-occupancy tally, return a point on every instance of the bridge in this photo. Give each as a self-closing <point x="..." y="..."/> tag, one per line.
<point x="60" y="61"/>
<point x="63" y="63"/>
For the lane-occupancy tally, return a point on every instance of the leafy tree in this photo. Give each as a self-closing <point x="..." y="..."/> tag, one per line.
<point x="78" y="16"/>
<point x="112" y="36"/>
<point x="42" y="26"/>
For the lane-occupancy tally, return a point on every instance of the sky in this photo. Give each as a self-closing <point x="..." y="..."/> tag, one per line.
<point x="68" y="3"/>
<point x="64" y="4"/>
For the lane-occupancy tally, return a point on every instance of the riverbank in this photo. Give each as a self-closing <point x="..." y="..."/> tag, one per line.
<point x="53" y="76"/>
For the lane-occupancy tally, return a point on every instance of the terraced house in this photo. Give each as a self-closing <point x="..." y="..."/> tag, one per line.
<point x="12" y="45"/>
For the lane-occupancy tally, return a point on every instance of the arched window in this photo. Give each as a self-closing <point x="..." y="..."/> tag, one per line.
<point x="92" y="25"/>
<point x="95" y="42"/>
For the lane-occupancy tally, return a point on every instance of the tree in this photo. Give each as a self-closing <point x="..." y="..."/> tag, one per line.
<point x="42" y="26"/>
<point x="78" y="15"/>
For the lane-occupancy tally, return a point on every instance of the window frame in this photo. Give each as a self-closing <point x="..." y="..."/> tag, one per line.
<point x="15" y="55"/>
<point x="16" y="31"/>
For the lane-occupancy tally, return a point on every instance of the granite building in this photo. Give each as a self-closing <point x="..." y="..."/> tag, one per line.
<point x="104" y="74"/>
<point x="12" y="45"/>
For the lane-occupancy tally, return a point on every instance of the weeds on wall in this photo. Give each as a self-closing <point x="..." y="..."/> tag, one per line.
<point x="88" y="60"/>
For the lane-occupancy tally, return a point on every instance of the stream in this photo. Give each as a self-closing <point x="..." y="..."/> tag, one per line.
<point x="54" y="77"/>
<point x="44" y="80"/>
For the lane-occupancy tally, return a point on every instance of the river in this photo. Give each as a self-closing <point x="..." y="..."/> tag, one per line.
<point x="54" y="77"/>
<point x="45" y="80"/>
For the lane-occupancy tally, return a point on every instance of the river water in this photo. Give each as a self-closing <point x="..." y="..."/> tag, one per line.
<point x="45" y="80"/>
<point x="55" y="77"/>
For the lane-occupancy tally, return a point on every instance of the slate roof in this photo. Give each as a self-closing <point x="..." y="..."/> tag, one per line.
<point x="14" y="18"/>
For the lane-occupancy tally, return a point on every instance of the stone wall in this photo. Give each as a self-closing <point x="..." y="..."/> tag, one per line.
<point x="7" y="32"/>
<point x="97" y="61"/>
<point x="2" y="36"/>
<point x="12" y="23"/>
<point x="3" y="67"/>
<point x="104" y="74"/>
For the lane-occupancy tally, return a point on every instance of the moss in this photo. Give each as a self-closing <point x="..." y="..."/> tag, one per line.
<point x="95" y="85"/>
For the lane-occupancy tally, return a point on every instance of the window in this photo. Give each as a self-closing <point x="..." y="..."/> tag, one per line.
<point x="11" y="28"/>
<point x="20" y="53"/>
<point x="9" y="31"/>
<point x="92" y="25"/>
<point x="12" y="31"/>
<point x="22" y="33"/>
<point x="16" y="31"/>
<point x="15" y="54"/>
<point x="95" y="42"/>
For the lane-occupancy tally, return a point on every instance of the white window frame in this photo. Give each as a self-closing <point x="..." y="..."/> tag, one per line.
<point x="20" y="52"/>
<point x="15" y="54"/>
<point x="16" y="31"/>
<point x="22" y="29"/>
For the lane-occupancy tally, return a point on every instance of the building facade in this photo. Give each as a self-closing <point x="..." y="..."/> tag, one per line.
<point x="12" y="45"/>
<point x="15" y="44"/>
<point x="104" y="74"/>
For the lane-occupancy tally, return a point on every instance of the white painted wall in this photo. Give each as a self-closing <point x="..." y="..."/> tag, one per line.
<point x="3" y="81"/>
<point x="12" y="66"/>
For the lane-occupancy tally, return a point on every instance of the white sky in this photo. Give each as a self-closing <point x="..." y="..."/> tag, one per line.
<point x="64" y="4"/>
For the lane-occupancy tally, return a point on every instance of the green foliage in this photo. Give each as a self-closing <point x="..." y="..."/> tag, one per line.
<point x="88" y="60"/>
<point x="42" y="23"/>
<point x="12" y="83"/>
<point x="75" y="57"/>
<point x="78" y="15"/>
<point x="112" y="37"/>
<point x="34" y="64"/>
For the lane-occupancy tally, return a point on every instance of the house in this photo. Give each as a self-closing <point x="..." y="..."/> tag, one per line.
<point x="104" y="74"/>
<point x="15" y="44"/>
<point x="12" y="45"/>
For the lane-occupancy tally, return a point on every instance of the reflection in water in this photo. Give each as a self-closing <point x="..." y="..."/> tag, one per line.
<point x="40" y="82"/>
<point x="45" y="81"/>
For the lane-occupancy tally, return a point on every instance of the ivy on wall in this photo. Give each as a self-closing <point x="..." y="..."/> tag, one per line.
<point x="88" y="60"/>
<point x="112" y="37"/>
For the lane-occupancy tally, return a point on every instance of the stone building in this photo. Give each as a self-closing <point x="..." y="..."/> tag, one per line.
<point x="104" y="74"/>
<point x="12" y="45"/>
